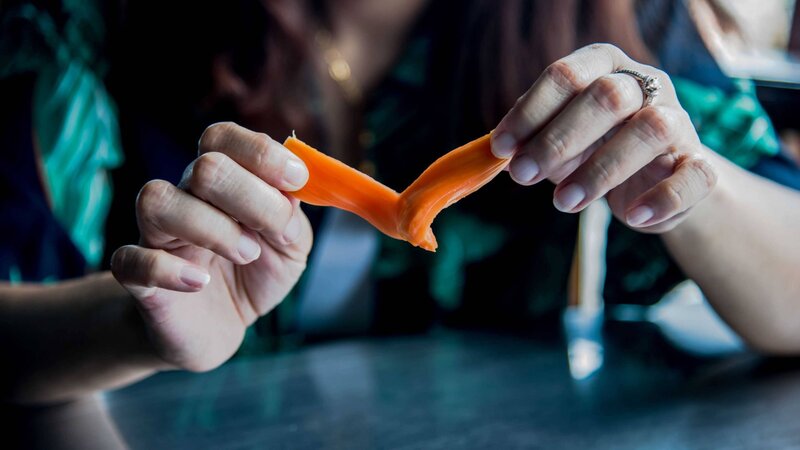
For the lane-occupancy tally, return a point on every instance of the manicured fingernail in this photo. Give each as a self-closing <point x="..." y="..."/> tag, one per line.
<point x="193" y="277"/>
<point x="639" y="215"/>
<point x="295" y="174"/>
<point x="248" y="248"/>
<point x="523" y="169"/>
<point x="292" y="231"/>
<point x="569" y="197"/>
<point x="503" y="145"/>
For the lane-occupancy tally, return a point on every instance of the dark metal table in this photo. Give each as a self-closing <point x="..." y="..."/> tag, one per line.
<point x="454" y="390"/>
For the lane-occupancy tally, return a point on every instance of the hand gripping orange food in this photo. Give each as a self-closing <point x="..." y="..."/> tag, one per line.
<point x="409" y="215"/>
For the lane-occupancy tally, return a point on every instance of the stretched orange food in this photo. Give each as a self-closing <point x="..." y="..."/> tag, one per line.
<point x="407" y="216"/>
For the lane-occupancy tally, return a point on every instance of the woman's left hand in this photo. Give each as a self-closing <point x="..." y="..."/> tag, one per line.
<point x="586" y="128"/>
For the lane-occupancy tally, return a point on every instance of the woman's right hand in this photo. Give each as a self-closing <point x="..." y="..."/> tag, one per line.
<point x="219" y="250"/>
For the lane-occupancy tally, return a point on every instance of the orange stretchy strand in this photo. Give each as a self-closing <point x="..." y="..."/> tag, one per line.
<point x="409" y="215"/>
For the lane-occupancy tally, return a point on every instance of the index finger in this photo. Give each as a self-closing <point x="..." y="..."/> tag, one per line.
<point x="558" y="84"/>
<point x="256" y="152"/>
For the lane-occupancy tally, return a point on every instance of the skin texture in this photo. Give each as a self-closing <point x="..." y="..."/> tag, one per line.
<point x="216" y="252"/>
<point x="70" y="339"/>
<point x="583" y="128"/>
<point x="220" y="250"/>
<point x="93" y="334"/>
<point x="193" y="284"/>
<point x="740" y="245"/>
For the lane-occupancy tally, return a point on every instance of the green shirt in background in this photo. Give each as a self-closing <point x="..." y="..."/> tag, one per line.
<point x="75" y="120"/>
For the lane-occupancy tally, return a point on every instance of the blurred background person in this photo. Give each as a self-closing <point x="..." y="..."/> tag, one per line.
<point x="386" y="87"/>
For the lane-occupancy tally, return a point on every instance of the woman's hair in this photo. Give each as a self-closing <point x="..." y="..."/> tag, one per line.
<point x="167" y="50"/>
<point x="165" y="54"/>
<point x="520" y="38"/>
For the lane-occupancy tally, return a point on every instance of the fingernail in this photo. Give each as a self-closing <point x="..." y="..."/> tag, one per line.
<point x="295" y="174"/>
<point x="193" y="277"/>
<point x="503" y="145"/>
<point x="639" y="215"/>
<point x="569" y="197"/>
<point x="523" y="169"/>
<point x="292" y="231"/>
<point x="248" y="248"/>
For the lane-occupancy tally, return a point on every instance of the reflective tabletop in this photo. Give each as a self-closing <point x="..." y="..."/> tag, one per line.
<point x="451" y="390"/>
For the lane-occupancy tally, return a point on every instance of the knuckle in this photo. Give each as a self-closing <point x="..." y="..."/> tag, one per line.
<point x="120" y="258"/>
<point x="223" y="245"/>
<point x="609" y="96"/>
<point x="284" y="210"/>
<point x="275" y="214"/>
<point x="656" y="124"/>
<point x="518" y="116"/>
<point x="605" y="46"/>
<point x="707" y="172"/>
<point x="527" y="116"/>
<point x="147" y="265"/>
<point x="554" y="145"/>
<point x="564" y="76"/>
<point x="605" y="174"/>
<point x="132" y="264"/>
<point x="154" y="196"/>
<point x="215" y="134"/>
<point x="610" y="49"/>
<point x="672" y="196"/>
<point x="265" y="153"/>
<point x="208" y="171"/>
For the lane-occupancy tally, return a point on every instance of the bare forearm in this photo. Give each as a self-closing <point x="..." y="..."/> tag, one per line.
<point x="67" y="340"/>
<point x="740" y="245"/>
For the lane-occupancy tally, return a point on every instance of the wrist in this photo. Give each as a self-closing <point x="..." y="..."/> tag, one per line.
<point x="703" y="218"/>
<point x="87" y="337"/>
<point x="130" y="339"/>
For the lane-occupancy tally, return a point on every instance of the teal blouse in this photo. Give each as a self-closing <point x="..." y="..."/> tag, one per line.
<point x="74" y="118"/>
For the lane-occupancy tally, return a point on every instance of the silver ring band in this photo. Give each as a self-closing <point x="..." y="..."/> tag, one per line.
<point x="650" y="84"/>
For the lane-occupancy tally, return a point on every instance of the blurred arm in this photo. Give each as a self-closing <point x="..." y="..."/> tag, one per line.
<point x="67" y="340"/>
<point x="741" y="245"/>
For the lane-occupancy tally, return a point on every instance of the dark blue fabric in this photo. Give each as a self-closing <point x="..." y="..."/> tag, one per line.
<point x="779" y="169"/>
<point x="31" y="240"/>
<point x="682" y="53"/>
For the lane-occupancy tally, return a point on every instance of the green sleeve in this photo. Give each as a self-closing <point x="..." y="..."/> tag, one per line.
<point x="74" y="117"/>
